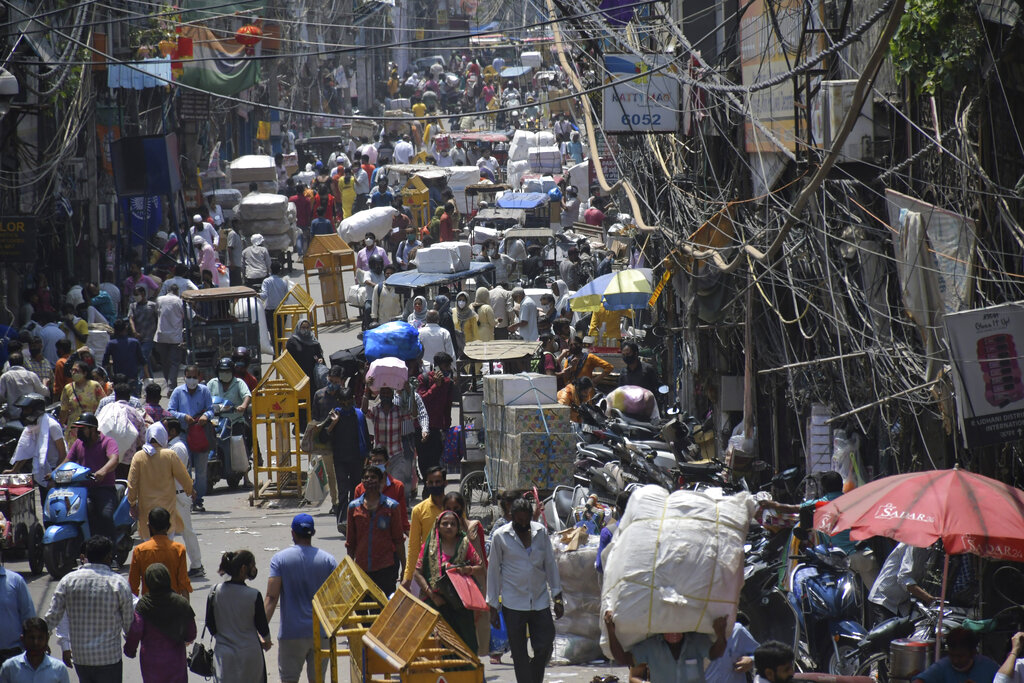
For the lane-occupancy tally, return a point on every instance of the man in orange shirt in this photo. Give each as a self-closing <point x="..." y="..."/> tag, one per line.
<point x="580" y="363"/>
<point x="61" y="375"/>
<point x="159" y="548"/>
<point x="576" y="393"/>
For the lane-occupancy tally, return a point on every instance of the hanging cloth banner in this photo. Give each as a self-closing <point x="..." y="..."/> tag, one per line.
<point x="218" y="67"/>
<point x="665" y="277"/>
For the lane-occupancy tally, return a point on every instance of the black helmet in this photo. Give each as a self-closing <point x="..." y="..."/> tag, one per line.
<point x="225" y="363"/>
<point x="87" y="420"/>
<point x="31" y="406"/>
<point x="241" y="355"/>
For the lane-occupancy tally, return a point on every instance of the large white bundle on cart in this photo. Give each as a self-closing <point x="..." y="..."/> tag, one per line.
<point x="519" y="148"/>
<point x="262" y="206"/>
<point x="545" y="159"/>
<point x="675" y="563"/>
<point x="375" y="221"/>
<point x="515" y="170"/>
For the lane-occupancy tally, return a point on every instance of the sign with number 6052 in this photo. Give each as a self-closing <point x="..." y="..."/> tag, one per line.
<point x="17" y="239"/>
<point x="641" y="94"/>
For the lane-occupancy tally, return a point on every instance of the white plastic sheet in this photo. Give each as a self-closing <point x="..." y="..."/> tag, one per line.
<point x="375" y="221"/>
<point x="675" y="563"/>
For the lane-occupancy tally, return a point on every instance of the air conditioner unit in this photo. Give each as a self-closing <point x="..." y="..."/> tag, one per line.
<point x="827" y="113"/>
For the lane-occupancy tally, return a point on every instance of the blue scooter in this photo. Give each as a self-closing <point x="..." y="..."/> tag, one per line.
<point x="67" y="521"/>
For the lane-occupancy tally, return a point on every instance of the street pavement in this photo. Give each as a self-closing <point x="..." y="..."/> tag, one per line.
<point x="230" y="523"/>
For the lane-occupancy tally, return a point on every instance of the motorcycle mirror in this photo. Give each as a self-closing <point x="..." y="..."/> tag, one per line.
<point x="673" y="411"/>
<point x="789" y="473"/>
<point x="760" y="466"/>
<point x="663" y="390"/>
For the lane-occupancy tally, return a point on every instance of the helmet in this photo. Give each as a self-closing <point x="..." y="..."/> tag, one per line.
<point x="31" y="406"/>
<point x="87" y="420"/>
<point x="241" y="355"/>
<point x="225" y="363"/>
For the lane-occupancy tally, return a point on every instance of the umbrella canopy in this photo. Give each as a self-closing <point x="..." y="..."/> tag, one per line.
<point x="969" y="513"/>
<point x="619" y="291"/>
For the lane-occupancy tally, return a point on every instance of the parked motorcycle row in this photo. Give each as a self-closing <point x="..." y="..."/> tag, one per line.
<point x="795" y="589"/>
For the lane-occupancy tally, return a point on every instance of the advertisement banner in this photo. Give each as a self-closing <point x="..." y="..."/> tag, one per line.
<point x="648" y="104"/>
<point x="770" y="34"/>
<point x="18" y="239"/>
<point x="984" y="346"/>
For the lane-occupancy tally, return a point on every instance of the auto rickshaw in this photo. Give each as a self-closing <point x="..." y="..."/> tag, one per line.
<point x="223" y="319"/>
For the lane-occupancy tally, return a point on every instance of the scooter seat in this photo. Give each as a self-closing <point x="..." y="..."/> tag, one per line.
<point x="699" y="468"/>
<point x="656" y="445"/>
<point x="598" y="450"/>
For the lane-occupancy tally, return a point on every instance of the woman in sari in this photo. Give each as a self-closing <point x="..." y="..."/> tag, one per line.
<point x="447" y="547"/>
<point x="455" y="502"/>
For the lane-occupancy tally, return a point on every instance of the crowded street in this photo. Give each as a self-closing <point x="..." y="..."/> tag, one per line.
<point x="545" y="341"/>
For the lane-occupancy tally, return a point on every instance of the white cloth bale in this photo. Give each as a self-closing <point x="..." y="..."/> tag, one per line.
<point x="519" y="148"/>
<point x="675" y="563"/>
<point x="515" y="170"/>
<point x="435" y="259"/>
<point x="262" y="206"/>
<point x="545" y="138"/>
<point x="545" y="159"/>
<point x="375" y="221"/>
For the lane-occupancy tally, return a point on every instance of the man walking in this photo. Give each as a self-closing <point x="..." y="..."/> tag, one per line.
<point x="159" y="548"/>
<point x="170" y="329"/>
<point x="34" y="665"/>
<point x="273" y="291"/>
<point x="374" y="532"/>
<point x="434" y="338"/>
<point x="436" y="389"/>
<point x="182" y="500"/>
<point x="142" y="317"/>
<point x="233" y="250"/>
<point x="124" y="356"/>
<point x="296" y="574"/>
<point x="192" y="404"/>
<point x="343" y="426"/>
<point x="154" y="478"/>
<point x="256" y="262"/>
<point x="521" y="570"/>
<point x="98" y="604"/>
<point x="17" y="382"/>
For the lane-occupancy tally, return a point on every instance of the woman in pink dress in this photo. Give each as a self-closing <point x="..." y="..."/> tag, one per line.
<point x="163" y="623"/>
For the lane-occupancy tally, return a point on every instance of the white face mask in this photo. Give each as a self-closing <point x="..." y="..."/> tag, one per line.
<point x="368" y="242"/>
<point x="191" y="382"/>
<point x="462" y="304"/>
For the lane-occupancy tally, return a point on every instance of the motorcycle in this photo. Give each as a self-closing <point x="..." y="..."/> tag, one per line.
<point x="824" y="597"/>
<point x="66" y="519"/>
<point x="225" y="431"/>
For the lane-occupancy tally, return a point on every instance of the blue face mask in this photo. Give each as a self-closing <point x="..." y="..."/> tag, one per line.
<point x="382" y="468"/>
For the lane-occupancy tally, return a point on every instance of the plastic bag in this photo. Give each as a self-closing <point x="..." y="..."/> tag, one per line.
<point x="239" y="456"/>
<point x="844" y="459"/>
<point x="499" y="636"/>
<point x="633" y="401"/>
<point x="114" y="423"/>
<point x="572" y="649"/>
<point x="356" y="296"/>
<point x="398" y="339"/>
<point x="316" y="481"/>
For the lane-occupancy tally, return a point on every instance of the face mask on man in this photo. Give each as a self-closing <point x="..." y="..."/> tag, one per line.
<point x="434" y="490"/>
<point x="462" y="303"/>
<point x="382" y="467"/>
<point x="226" y="377"/>
<point x="368" y="242"/>
<point x="191" y="383"/>
<point x="520" y="529"/>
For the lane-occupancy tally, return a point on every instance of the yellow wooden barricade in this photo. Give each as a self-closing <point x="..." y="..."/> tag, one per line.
<point x="295" y="307"/>
<point x="279" y="403"/>
<point x="411" y="640"/>
<point x="330" y="257"/>
<point x="416" y="198"/>
<point x="346" y="606"/>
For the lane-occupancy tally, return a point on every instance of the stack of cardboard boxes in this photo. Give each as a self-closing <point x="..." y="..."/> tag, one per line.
<point x="528" y="439"/>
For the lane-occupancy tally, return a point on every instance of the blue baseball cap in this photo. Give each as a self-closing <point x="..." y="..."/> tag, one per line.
<point x="302" y="524"/>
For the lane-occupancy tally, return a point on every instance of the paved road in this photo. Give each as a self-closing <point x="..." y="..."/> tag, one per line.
<point x="231" y="524"/>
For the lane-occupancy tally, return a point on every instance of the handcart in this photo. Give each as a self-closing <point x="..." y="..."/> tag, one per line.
<point x="23" y="530"/>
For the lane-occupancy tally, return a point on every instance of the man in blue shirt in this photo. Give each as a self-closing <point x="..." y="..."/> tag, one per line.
<point x="235" y="391"/>
<point x="15" y="607"/>
<point x="670" y="657"/>
<point x="34" y="665"/>
<point x="273" y="291"/>
<point x="962" y="662"/>
<point x="321" y="225"/>
<point x="382" y="196"/>
<point x="124" y="355"/>
<point x="192" y="404"/>
<point x="296" y="574"/>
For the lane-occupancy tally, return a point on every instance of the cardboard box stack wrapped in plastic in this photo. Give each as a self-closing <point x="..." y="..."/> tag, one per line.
<point x="527" y="440"/>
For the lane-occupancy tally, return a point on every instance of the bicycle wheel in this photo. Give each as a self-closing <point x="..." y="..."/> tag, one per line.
<point x="477" y="492"/>
<point x="876" y="666"/>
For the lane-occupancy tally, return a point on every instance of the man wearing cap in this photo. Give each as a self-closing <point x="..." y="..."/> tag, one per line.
<point x="296" y="574"/>
<point x="99" y="453"/>
<point x="255" y="262"/>
<point x="203" y="229"/>
<point x="206" y="257"/>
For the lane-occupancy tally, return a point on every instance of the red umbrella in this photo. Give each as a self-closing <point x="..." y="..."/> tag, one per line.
<point x="969" y="513"/>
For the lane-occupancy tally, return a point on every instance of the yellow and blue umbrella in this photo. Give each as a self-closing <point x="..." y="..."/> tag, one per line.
<point x="619" y="291"/>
